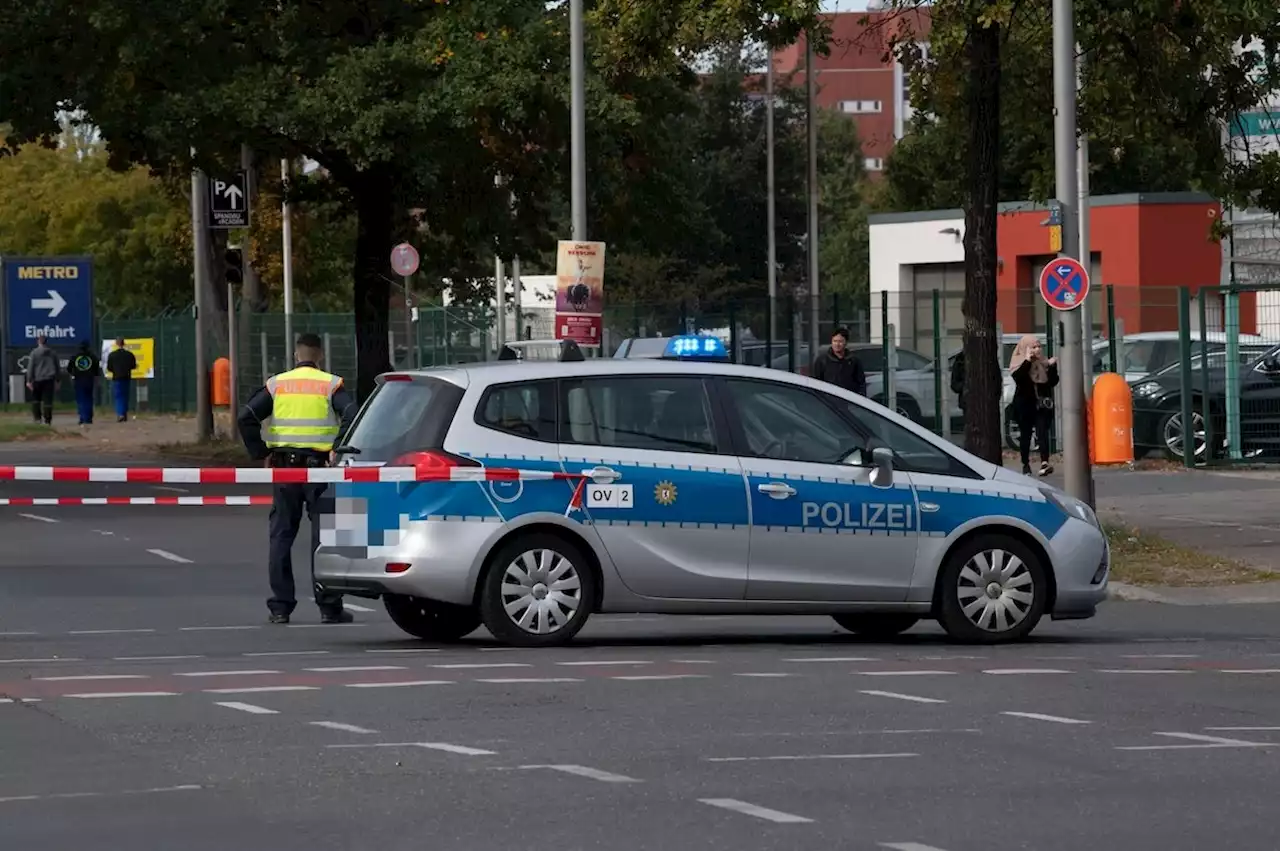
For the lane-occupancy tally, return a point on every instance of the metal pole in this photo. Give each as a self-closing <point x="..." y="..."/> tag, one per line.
<point x="286" y="228"/>
<point x="500" y="301"/>
<point x="200" y="269"/>
<point x="233" y="405"/>
<point x="408" y="324"/>
<point x="578" y="121"/>
<point x="811" y="86"/>
<point x="1075" y="448"/>
<point x="772" y="213"/>
<point x="517" y="296"/>
<point x="1086" y="253"/>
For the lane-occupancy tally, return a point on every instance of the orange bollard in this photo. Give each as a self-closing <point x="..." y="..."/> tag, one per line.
<point x="1111" y="438"/>
<point x="220" y="386"/>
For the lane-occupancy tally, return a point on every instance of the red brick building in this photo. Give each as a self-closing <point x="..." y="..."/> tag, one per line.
<point x="860" y="77"/>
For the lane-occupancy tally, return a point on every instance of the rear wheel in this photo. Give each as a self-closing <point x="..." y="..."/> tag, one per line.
<point x="538" y="591"/>
<point x="992" y="589"/>
<point x="882" y="625"/>
<point x="431" y="620"/>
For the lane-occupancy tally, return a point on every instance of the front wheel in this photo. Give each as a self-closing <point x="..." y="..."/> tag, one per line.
<point x="538" y="591"/>
<point x="1173" y="437"/>
<point x="885" y="625"/>
<point x="431" y="620"/>
<point x="992" y="589"/>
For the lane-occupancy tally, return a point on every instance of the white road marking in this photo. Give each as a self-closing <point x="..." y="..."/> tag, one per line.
<point x="402" y="684"/>
<point x="356" y="607"/>
<point x="905" y="673"/>
<point x="585" y="771"/>
<point x="1244" y="729"/>
<point x="38" y="661"/>
<point x="41" y="518"/>
<point x="289" y="653"/>
<point x="694" y="661"/>
<point x="898" y="696"/>
<point x="108" y="631"/>
<point x="809" y="757"/>
<point x="346" y="728"/>
<point x="514" y="680"/>
<point x="165" y="554"/>
<point x="6" y="634"/>
<point x="950" y="656"/>
<point x="347" y="668"/>
<point x="831" y="659"/>
<point x="105" y="694"/>
<point x="908" y="846"/>
<point x="1249" y="671"/>
<point x="92" y="677"/>
<point x="418" y="650"/>
<point x="65" y="795"/>
<point x="763" y="674"/>
<point x="467" y="665"/>
<point x="259" y="689"/>
<point x="169" y="488"/>
<point x="752" y="810"/>
<point x="1144" y="671"/>
<point x="1204" y="743"/>
<point x="1036" y="716"/>
<point x="662" y="677"/>
<point x="153" y="658"/>
<point x="1025" y="671"/>
<point x="216" y="628"/>
<point x="104" y="532"/>
<point x="431" y="746"/>
<point x="592" y="664"/>
<point x="224" y="673"/>
<point x="247" y="707"/>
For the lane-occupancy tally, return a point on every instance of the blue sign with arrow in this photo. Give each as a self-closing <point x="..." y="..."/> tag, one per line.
<point x="1064" y="284"/>
<point x="50" y="297"/>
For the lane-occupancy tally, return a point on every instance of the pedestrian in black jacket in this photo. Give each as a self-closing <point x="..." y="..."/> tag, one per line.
<point x="837" y="366"/>
<point x="84" y="370"/>
<point x="1034" y="377"/>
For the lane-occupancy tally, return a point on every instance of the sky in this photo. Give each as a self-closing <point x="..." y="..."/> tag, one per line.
<point x="844" y="6"/>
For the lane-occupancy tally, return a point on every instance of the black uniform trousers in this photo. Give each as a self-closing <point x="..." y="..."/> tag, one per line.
<point x="288" y="502"/>
<point x="42" y="400"/>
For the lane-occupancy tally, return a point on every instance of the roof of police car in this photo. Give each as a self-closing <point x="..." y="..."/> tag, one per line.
<point x="489" y="372"/>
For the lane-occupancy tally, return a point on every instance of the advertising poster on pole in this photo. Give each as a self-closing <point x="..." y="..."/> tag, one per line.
<point x="580" y="292"/>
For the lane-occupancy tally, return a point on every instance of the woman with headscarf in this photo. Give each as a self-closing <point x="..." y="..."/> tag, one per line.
<point x="1034" y="378"/>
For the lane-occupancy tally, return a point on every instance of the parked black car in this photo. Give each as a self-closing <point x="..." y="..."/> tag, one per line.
<point x="1157" y="405"/>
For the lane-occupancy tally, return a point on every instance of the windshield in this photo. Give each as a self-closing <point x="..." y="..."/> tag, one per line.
<point x="403" y="416"/>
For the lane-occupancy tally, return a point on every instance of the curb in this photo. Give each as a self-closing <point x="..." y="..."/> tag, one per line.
<point x="1210" y="595"/>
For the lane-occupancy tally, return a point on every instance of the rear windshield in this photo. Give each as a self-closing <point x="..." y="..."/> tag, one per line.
<point x="404" y="416"/>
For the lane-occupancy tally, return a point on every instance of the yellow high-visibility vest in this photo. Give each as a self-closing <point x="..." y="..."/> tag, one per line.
<point x="302" y="415"/>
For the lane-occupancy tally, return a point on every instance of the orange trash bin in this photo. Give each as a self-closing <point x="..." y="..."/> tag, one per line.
<point x="1111" y="437"/>
<point x="220" y="386"/>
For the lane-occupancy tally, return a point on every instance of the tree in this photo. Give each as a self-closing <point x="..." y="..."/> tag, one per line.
<point x="1161" y="80"/>
<point x="844" y="249"/>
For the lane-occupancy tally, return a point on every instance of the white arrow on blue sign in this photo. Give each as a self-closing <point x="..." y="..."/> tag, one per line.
<point x="53" y="304"/>
<point x="1064" y="284"/>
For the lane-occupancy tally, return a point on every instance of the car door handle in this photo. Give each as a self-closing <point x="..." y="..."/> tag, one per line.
<point x="602" y="475"/>
<point x="777" y="490"/>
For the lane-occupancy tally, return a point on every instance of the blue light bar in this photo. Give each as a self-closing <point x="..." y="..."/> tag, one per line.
<point x="694" y="347"/>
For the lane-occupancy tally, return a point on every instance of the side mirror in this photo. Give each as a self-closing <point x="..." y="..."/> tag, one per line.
<point x="882" y="461"/>
<point x="1270" y="365"/>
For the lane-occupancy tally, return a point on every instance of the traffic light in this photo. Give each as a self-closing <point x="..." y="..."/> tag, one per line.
<point x="235" y="266"/>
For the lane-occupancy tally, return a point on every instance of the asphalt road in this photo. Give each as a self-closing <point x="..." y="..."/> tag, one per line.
<point x="145" y="704"/>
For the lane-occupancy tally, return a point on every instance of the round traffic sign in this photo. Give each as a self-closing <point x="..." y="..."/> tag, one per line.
<point x="404" y="259"/>
<point x="1064" y="284"/>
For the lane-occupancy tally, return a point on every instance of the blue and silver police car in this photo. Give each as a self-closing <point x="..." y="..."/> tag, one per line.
<point x="702" y="487"/>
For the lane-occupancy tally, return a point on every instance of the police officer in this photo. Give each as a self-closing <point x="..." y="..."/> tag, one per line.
<point x="309" y="411"/>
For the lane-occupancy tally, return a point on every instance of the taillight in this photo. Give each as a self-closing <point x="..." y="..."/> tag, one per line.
<point x="397" y="377"/>
<point x="433" y="460"/>
<point x="396" y="567"/>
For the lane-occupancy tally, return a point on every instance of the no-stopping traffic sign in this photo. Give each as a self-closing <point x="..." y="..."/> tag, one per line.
<point x="1064" y="284"/>
<point x="404" y="259"/>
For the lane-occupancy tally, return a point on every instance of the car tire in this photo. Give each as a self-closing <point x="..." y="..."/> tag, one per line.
<point x="1171" y="420"/>
<point x="975" y="573"/>
<point x="878" y="625"/>
<point x="535" y="564"/>
<point x="431" y="620"/>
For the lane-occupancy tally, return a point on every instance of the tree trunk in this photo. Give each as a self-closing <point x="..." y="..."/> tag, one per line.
<point x="374" y="235"/>
<point x="982" y="434"/>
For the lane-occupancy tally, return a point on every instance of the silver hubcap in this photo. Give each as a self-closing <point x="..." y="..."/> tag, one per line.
<point x="1173" y="435"/>
<point x="995" y="590"/>
<point x="541" y="591"/>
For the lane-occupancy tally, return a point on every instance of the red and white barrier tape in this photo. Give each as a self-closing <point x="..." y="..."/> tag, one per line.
<point x="275" y="475"/>
<point x="256" y="499"/>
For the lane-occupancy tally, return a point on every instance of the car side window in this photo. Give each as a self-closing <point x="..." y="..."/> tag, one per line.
<point x="645" y="412"/>
<point x="912" y="452"/>
<point x="871" y="358"/>
<point x="908" y="359"/>
<point x="789" y="423"/>
<point x="525" y="409"/>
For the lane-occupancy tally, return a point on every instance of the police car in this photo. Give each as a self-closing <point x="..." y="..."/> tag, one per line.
<point x="703" y="487"/>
